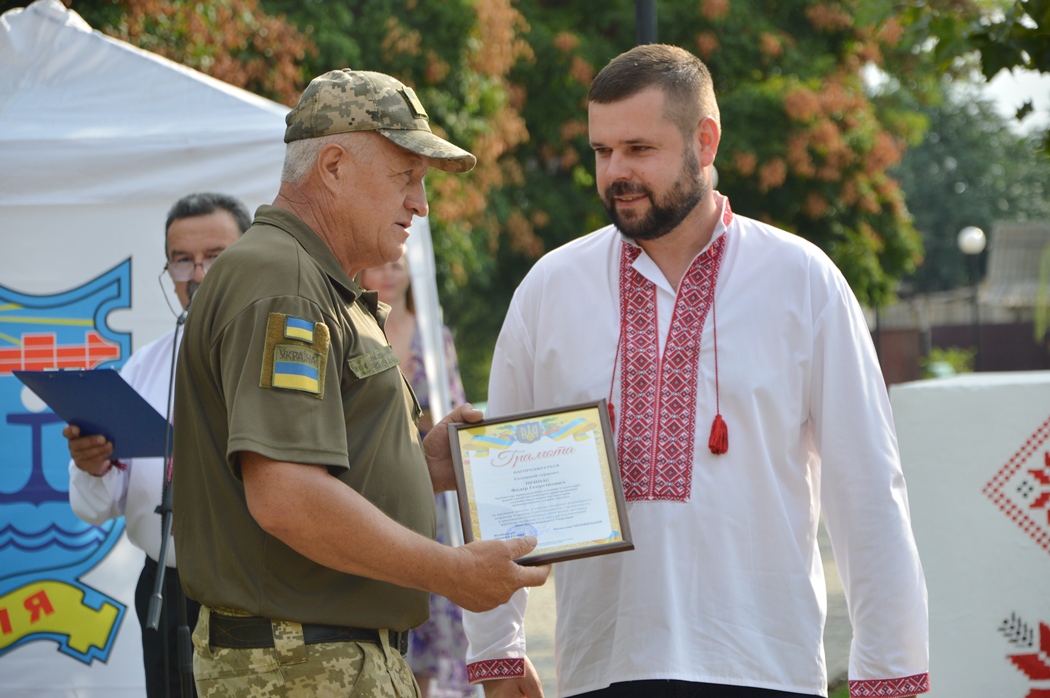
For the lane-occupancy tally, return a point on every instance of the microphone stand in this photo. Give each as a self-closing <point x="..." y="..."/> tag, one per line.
<point x="156" y="604"/>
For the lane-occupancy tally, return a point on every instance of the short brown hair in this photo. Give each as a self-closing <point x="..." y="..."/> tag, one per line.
<point x="683" y="77"/>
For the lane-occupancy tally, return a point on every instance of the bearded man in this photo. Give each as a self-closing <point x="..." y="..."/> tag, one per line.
<point x="684" y="302"/>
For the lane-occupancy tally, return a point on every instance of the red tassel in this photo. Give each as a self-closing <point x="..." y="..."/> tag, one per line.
<point x="612" y="418"/>
<point x="719" y="441"/>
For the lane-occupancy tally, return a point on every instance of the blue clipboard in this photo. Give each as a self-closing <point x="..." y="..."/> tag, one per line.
<point x="101" y="402"/>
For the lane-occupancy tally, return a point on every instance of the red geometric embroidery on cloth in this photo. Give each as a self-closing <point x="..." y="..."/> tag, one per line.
<point x="890" y="688"/>
<point x="1019" y="488"/>
<point x="658" y="397"/>
<point x="496" y="669"/>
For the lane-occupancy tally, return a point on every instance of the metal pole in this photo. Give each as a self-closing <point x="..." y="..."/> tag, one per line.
<point x="976" y="314"/>
<point x="645" y="21"/>
<point x="971" y="242"/>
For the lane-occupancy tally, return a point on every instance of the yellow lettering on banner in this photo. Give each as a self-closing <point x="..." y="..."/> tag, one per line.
<point x="54" y="607"/>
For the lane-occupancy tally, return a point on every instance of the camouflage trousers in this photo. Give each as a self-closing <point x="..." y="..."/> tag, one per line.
<point x="294" y="669"/>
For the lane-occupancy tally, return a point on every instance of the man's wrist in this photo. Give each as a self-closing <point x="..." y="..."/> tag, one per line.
<point x="110" y="464"/>
<point x="101" y="473"/>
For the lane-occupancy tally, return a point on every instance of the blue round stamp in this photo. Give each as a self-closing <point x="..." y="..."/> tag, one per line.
<point x="521" y="530"/>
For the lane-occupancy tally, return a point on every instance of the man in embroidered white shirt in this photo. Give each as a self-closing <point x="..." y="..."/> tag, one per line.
<point x="747" y="401"/>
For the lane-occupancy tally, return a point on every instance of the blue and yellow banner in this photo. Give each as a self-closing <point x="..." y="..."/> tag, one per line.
<point x="58" y="611"/>
<point x="44" y="547"/>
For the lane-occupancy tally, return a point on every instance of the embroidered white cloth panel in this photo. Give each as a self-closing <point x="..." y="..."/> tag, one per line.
<point x="976" y="449"/>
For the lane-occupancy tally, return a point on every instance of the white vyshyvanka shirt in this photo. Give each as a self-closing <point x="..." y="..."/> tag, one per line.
<point x="727" y="587"/>
<point x="134" y="493"/>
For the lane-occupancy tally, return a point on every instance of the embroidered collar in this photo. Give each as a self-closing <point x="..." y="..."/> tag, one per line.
<point x="658" y="393"/>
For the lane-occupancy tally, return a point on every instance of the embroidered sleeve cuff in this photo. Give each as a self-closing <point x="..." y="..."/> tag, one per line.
<point x="485" y="670"/>
<point x="891" y="688"/>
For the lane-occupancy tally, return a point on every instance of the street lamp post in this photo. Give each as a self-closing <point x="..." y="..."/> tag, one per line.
<point x="971" y="243"/>
<point x="645" y="21"/>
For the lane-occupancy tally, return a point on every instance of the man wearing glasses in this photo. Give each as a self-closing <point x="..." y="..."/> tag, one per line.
<point x="198" y="228"/>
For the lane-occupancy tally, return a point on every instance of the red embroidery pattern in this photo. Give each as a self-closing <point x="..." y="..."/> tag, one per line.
<point x="512" y="667"/>
<point x="1036" y="665"/>
<point x="658" y="396"/>
<point x="890" y="688"/>
<point x="1017" y="488"/>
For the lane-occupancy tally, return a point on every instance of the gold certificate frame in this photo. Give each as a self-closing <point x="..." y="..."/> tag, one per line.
<point x="552" y="474"/>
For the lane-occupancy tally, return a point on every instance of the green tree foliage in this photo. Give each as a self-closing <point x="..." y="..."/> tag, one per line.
<point x="1020" y="38"/>
<point x="970" y="169"/>
<point x="232" y="40"/>
<point x="985" y="35"/>
<point x="947" y="362"/>
<point x="805" y="146"/>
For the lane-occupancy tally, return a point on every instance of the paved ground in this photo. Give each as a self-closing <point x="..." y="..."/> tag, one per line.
<point x="539" y="625"/>
<point x="837" y="631"/>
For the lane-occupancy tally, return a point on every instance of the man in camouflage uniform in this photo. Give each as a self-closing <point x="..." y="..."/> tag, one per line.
<point x="304" y="511"/>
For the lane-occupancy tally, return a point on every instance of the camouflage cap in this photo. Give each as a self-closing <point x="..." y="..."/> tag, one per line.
<point x="357" y="100"/>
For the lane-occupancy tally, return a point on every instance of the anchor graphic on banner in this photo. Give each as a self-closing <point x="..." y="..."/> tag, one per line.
<point x="44" y="547"/>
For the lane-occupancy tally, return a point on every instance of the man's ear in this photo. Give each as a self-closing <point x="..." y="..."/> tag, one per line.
<point x="708" y="134"/>
<point x="333" y="165"/>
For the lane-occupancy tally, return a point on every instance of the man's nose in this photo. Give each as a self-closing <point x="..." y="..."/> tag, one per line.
<point x="416" y="202"/>
<point x="618" y="168"/>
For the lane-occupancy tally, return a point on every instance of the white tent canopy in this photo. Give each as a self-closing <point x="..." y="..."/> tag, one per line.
<point x="92" y="120"/>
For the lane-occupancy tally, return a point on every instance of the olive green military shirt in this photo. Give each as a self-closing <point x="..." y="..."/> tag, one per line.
<point x="285" y="355"/>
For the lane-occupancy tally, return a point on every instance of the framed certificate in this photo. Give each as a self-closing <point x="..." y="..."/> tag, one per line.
<point x="549" y="474"/>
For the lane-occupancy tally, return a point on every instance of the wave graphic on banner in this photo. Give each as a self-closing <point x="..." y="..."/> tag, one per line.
<point x="52" y="535"/>
<point x="44" y="547"/>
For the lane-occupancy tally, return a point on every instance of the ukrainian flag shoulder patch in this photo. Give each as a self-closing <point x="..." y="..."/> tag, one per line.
<point x="298" y="328"/>
<point x="295" y="354"/>
<point x="296" y="368"/>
